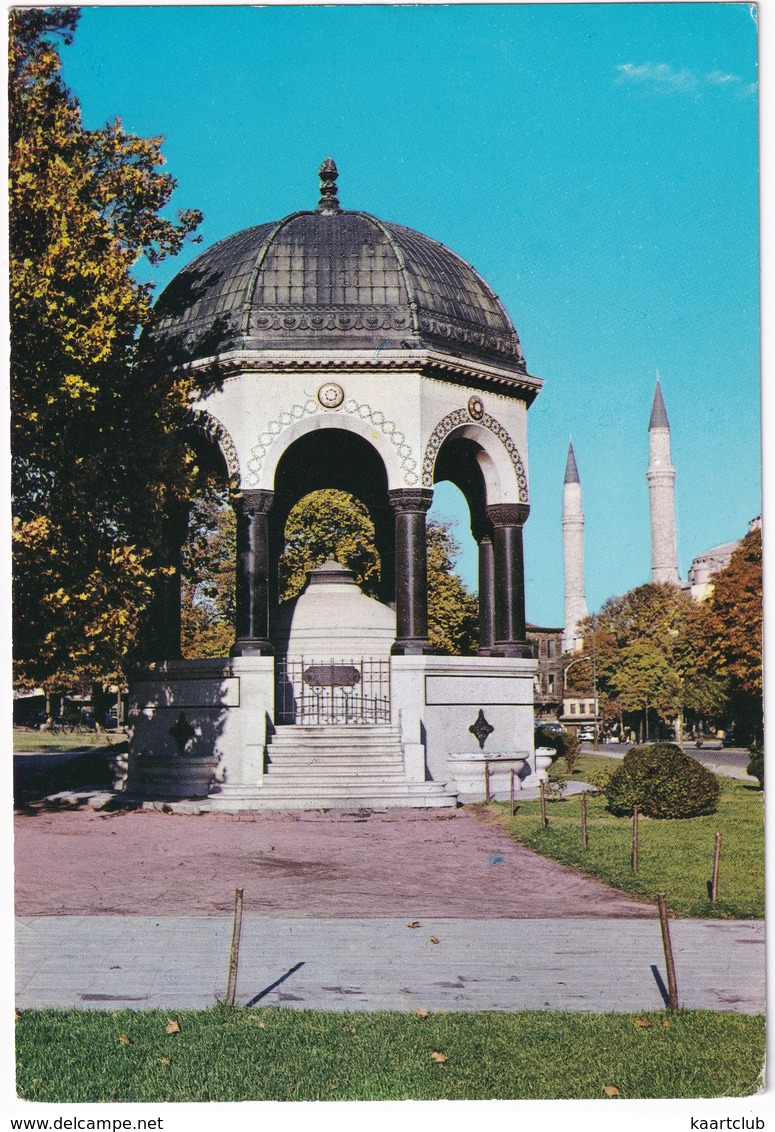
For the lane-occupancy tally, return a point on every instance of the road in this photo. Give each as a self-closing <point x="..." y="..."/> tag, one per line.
<point x="729" y="761"/>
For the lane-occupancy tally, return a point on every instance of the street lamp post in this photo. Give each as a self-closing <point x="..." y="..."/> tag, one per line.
<point x="567" y="669"/>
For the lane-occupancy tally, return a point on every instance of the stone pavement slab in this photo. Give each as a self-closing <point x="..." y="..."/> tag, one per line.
<point x="178" y="962"/>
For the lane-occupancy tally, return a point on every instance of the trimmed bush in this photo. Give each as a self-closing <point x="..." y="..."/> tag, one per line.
<point x="756" y="766"/>
<point x="662" y="782"/>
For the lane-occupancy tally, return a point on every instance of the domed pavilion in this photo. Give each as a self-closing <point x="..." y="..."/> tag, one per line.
<point x="332" y="349"/>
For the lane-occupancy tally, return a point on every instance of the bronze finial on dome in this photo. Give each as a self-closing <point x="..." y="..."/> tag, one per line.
<point x="329" y="201"/>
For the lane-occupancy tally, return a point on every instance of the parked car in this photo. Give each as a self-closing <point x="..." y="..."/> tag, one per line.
<point x="550" y="725"/>
<point x="587" y="733"/>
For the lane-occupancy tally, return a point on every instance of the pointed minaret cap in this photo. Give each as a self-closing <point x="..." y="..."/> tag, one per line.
<point x="658" y="410"/>
<point x="571" y="471"/>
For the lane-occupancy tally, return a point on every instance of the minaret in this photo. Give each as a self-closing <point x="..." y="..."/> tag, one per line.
<point x="661" y="480"/>
<point x="573" y="555"/>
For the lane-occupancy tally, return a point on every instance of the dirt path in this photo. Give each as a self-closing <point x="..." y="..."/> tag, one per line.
<point x="404" y="863"/>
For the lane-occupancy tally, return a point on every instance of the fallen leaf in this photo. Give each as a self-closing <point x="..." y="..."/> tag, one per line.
<point x="665" y="1024"/>
<point x="433" y="939"/>
<point x="419" y="1013"/>
<point x="439" y="1057"/>
<point x="348" y="1029"/>
<point x="172" y="1027"/>
<point x="332" y="1087"/>
<point x="125" y="1041"/>
<point x="414" y="924"/>
<point x="165" y="1061"/>
<point x="611" y="1090"/>
<point x="643" y="1023"/>
<point x="17" y="1015"/>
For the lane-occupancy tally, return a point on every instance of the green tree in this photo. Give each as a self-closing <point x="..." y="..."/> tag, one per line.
<point x="650" y="652"/>
<point x="328" y="524"/>
<point x="453" y="612"/>
<point x="734" y="633"/>
<point x="208" y="591"/>
<point x="97" y="461"/>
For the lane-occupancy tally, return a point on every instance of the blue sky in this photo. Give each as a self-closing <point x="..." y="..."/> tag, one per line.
<point x="596" y="163"/>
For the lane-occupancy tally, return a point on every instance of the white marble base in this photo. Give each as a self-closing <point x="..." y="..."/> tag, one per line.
<point x="469" y="778"/>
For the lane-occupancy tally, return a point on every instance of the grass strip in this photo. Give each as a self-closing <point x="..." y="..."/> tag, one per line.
<point x="234" y="1054"/>
<point x="47" y="742"/>
<point x="675" y="855"/>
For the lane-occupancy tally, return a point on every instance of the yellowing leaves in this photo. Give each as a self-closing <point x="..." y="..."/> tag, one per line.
<point x="93" y="464"/>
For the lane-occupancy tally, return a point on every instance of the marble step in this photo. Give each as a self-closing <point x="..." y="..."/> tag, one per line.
<point x="420" y="795"/>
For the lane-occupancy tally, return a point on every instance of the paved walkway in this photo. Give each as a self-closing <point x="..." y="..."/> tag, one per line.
<point x="407" y="863"/>
<point x="177" y="962"/>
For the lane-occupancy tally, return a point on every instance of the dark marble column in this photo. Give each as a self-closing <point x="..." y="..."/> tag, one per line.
<point x="163" y="637"/>
<point x="252" y="508"/>
<point x="411" y="565"/>
<point x="486" y="595"/>
<point x="509" y="575"/>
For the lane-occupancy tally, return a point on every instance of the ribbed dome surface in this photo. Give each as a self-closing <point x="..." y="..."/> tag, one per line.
<point x="332" y="281"/>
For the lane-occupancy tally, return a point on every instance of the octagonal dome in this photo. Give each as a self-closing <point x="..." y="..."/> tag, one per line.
<point x="332" y="280"/>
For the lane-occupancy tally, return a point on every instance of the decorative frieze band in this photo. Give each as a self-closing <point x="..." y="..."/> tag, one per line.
<point x="375" y="417"/>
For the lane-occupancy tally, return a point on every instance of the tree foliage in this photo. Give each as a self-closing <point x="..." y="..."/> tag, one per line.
<point x="656" y="648"/>
<point x="734" y="632"/>
<point x="453" y="612"/>
<point x="328" y="524"/>
<point x="95" y="460"/>
<point x="208" y="590"/>
<point x="650" y="654"/>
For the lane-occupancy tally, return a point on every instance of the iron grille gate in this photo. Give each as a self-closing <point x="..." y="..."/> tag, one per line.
<point x="333" y="691"/>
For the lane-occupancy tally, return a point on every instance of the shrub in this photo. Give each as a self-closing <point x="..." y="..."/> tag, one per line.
<point x="552" y="739"/>
<point x="756" y="766"/>
<point x="662" y="782"/>
<point x="572" y="750"/>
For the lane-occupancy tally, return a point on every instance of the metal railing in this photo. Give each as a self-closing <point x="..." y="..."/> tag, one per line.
<point x="333" y="691"/>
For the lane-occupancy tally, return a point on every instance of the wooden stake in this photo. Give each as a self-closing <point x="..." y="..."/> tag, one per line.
<point x="714" y="882"/>
<point x="512" y="793"/>
<point x="542" y="789"/>
<point x="672" y="986"/>
<point x="486" y="781"/>
<point x="635" y="839"/>
<point x="231" y="989"/>
<point x="584" y="819"/>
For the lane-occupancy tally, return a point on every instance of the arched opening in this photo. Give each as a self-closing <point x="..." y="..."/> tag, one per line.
<point x="453" y="574"/>
<point x="334" y="465"/>
<point x="496" y="527"/>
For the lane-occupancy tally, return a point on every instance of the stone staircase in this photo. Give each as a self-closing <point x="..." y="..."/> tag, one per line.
<point x="313" y="767"/>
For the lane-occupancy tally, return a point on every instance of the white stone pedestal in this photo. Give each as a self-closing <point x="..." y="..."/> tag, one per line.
<point x="437" y="699"/>
<point x="199" y="709"/>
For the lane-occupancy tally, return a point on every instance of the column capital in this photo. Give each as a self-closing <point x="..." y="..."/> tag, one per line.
<point x="508" y="514"/>
<point x="252" y="501"/>
<point x="411" y="499"/>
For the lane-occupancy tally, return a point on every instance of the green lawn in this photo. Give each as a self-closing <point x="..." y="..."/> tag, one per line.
<point x="676" y="856"/>
<point x="278" y="1054"/>
<point x="24" y="741"/>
